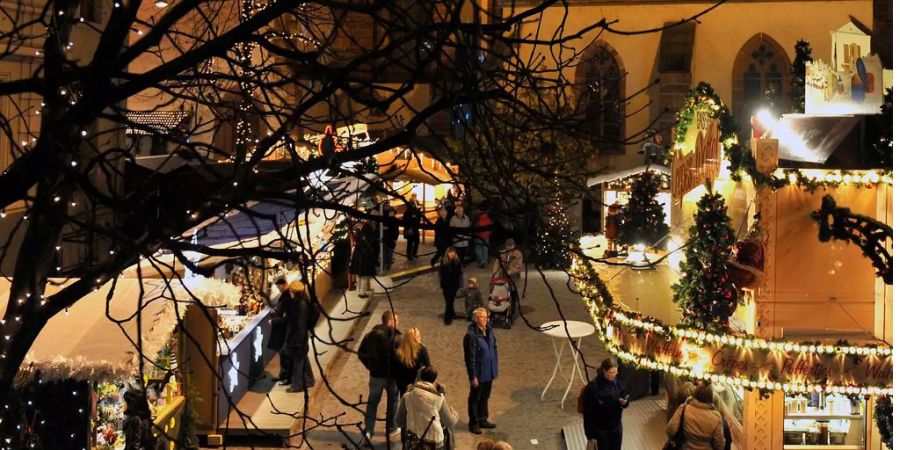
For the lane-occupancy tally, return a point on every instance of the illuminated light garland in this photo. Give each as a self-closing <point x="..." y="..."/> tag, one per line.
<point x="607" y="317"/>
<point x="834" y="178"/>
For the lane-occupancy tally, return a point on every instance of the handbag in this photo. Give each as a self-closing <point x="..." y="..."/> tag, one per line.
<point x="675" y="442"/>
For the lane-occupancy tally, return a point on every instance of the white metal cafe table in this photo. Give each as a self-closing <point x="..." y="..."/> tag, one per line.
<point x="557" y="330"/>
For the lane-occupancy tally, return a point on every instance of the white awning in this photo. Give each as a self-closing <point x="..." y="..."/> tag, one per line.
<point x="626" y="173"/>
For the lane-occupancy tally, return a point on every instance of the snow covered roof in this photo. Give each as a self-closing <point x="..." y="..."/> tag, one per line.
<point x="626" y="173"/>
<point x="96" y="338"/>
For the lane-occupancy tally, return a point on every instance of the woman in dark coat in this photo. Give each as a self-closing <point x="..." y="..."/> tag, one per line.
<point x="450" y="274"/>
<point x="441" y="235"/>
<point x="365" y="256"/>
<point x="604" y="398"/>
<point x="138" y="424"/>
<point x="410" y="356"/>
<point x="301" y="317"/>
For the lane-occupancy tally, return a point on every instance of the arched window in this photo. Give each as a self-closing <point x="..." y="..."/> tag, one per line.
<point x="760" y="79"/>
<point x="601" y="85"/>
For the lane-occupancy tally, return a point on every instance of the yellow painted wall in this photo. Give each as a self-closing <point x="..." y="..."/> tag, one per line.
<point x="820" y="285"/>
<point x="719" y="36"/>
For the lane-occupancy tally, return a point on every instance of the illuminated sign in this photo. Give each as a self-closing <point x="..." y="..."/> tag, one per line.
<point x="692" y="169"/>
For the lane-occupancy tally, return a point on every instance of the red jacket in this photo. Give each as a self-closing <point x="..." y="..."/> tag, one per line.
<point x="484" y="220"/>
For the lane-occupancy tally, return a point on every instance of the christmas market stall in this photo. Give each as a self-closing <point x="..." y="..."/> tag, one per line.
<point x="785" y="290"/>
<point x="635" y="207"/>
<point x="121" y="344"/>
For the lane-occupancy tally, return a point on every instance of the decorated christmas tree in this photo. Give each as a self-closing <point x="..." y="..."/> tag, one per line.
<point x="705" y="294"/>
<point x="643" y="219"/>
<point x="555" y="234"/>
<point x="802" y="55"/>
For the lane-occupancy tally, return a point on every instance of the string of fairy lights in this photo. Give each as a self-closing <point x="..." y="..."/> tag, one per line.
<point x="607" y="316"/>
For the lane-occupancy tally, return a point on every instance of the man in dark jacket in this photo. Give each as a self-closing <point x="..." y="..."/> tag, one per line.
<point x="301" y="317"/>
<point x="480" y="348"/>
<point x="279" y="327"/>
<point x="391" y="230"/>
<point x="364" y="258"/>
<point x="412" y="216"/>
<point x="376" y="352"/>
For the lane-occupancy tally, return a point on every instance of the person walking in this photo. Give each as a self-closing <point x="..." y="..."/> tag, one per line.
<point x="603" y="400"/>
<point x="510" y="264"/>
<point x="279" y="329"/>
<point x="613" y="224"/>
<point x="450" y="275"/>
<point x="441" y="236"/>
<point x="698" y="422"/>
<point x="460" y="223"/>
<point x="425" y="413"/>
<point x="411" y="357"/>
<point x="480" y="349"/>
<point x="376" y="352"/>
<point x="391" y="230"/>
<point x="411" y="219"/>
<point x="365" y="257"/>
<point x="482" y="238"/>
<point x="301" y="317"/>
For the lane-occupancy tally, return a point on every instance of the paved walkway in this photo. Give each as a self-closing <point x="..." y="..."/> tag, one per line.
<point x="526" y="362"/>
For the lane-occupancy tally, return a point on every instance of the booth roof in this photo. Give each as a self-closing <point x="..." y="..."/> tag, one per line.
<point x="625" y="173"/>
<point x="96" y="339"/>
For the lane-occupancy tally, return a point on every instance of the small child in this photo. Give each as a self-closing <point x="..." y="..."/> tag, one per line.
<point x="473" y="297"/>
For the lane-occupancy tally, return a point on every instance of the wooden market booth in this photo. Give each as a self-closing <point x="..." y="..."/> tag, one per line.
<point x="809" y="291"/>
<point x="615" y="189"/>
<point x="87" y="357"/>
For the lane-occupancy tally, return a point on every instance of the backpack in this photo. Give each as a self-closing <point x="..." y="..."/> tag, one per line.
<point x="581" y="399"/>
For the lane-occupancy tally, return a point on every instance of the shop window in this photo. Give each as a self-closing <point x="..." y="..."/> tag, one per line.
<point x="601" y="84"/>
<point x="819" y="420"/>
<point x="760" y="79"/>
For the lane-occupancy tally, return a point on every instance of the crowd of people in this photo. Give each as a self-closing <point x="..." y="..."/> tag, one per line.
<point x="400" y="366"/>
<point x="417" y="409"/>
<point x="398" y="363"/>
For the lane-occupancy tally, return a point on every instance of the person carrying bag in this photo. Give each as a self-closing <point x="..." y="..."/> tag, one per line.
<point x="675" y="442"/>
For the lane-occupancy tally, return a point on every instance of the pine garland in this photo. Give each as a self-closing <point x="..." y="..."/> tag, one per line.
<point x="643" y="219"/>
<point x="705" y="294"/>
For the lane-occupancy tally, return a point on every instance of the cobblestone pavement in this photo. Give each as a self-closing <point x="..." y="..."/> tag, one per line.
<point x="527" y="360"/>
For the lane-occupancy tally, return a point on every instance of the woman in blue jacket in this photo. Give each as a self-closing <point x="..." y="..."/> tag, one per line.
<point x="604" y="398"/>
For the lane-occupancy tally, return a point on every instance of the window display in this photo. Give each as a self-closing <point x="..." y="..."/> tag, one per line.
<point x="819" y="420"/>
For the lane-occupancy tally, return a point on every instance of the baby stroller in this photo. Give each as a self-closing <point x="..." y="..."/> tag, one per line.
<point x="501" y="304"/>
